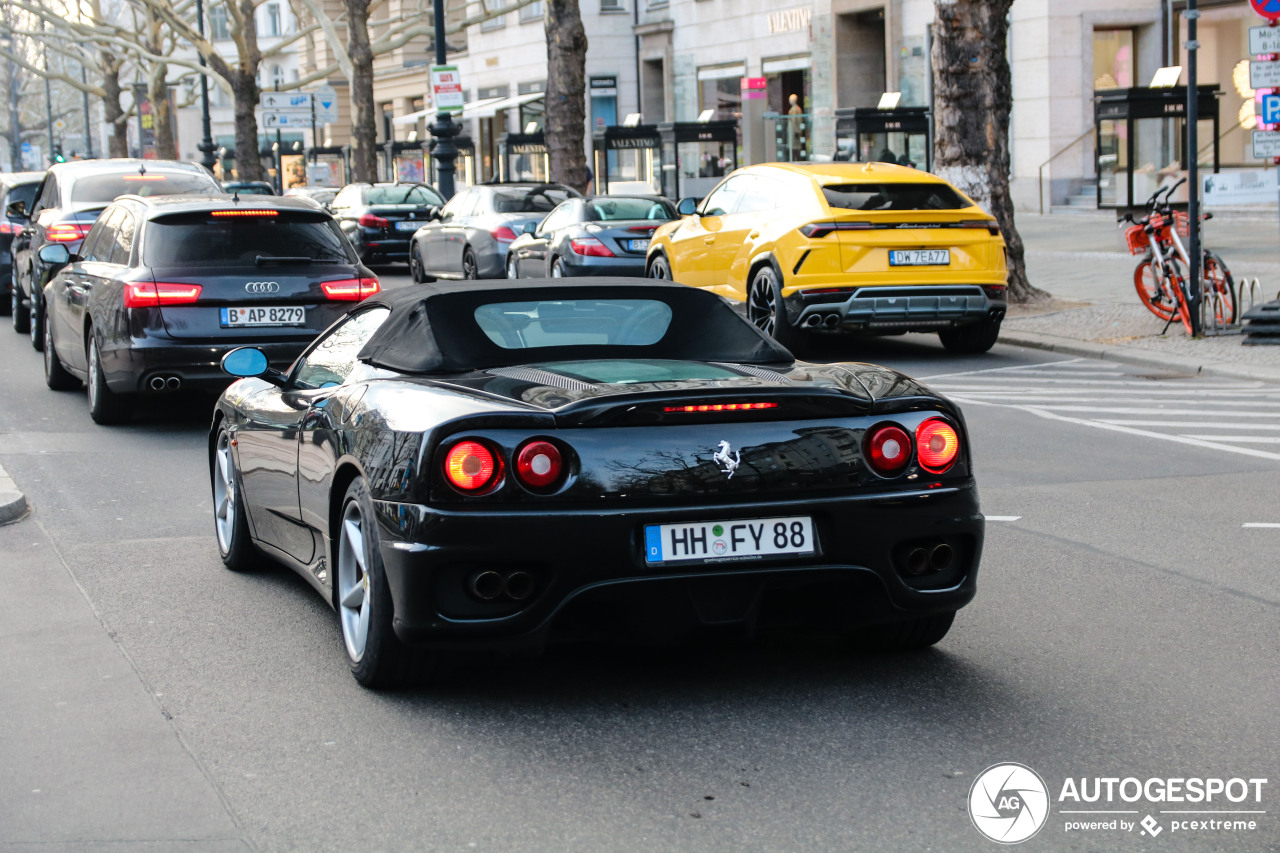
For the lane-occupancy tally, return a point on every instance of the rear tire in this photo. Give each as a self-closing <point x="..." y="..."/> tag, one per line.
<point x="106" y="407"/>
<point x="513" y="271"/>
<point x="21" y="314"/>
<point x="912" y="635"/>
<point x="557" y="268"/>
<point x="470" y="269"/>
<point x="972" y="339"/>
<point x="57" y="377"/>
<point x="375" y="654"/>
<point x="36" y="327"/>
<point x="659" y="268"/>
<point x="416" y="268"/>
<point x="767" y="311"/>
<point x="230" y="518"/>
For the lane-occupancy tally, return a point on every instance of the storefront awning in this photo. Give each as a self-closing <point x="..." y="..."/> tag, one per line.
<point x="492" y="108"/>
<point x="472" y="109"/>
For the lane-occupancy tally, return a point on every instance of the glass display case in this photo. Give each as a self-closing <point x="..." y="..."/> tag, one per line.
<point x="403" y="161"/>
<point x="328" y="166"/>
<point x="464" y="165"/>
<point x="627" y="159"/>
<point x="903" y="135"/>
<point x="696" y="156"/>
<point x="523" y="157"/>
<point x="792" y="137"/>
<point x="1140" y="141"/>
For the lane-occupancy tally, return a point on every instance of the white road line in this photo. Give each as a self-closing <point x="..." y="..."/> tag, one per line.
<point x="1097" y="398"/>
<point x="1008" y="518"/>
<point x="1267" y="524"/>
<point x="1128" y="411"/>
<point x="1250" y="439"/>
<point x="992" y="370"/>
<point x="1186" y="424"/>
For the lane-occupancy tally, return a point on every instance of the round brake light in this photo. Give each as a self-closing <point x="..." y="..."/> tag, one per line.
<point x="888" y="450"/>
<point x="470" y="466"/>
<point x="938" y="445"/>
<point x="538" y="464"/>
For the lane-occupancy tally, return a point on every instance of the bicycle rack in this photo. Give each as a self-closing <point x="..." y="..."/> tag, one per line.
<point x="1210" y="301"/>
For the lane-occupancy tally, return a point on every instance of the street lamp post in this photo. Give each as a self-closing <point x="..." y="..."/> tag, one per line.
<point x="444" y="130"/>
<point x="206" y="146"/>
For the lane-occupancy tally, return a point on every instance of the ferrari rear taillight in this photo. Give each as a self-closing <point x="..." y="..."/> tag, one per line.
<point x="67" y="232"/>
<point x="590" y="246"/>
<point x="539" y="464"/>
<point x="470" y="466"/>
<point x="720" y="407"/>
<point x="503" y="233"/>
<point x="888" y="449"/>
<point x="145" y="294"/>
<point x="350" y="289"/>
<point x="937" y="444"/>
<point x="368" y="220"/>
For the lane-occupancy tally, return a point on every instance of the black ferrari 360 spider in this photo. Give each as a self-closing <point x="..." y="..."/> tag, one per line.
<point x="462" y="467"/>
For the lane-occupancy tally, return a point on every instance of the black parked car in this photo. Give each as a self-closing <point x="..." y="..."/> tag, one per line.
<point x="602" y="235"/>
<point x="68" y="202"/>
<point x="461" y="467"/>
<point x="380" y="219"/>
<point x="14" y="186"/>
<point x="475" y="229"/>
<point x="163" y="287"/>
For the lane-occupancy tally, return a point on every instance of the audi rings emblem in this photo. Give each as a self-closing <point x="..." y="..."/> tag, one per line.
<point x="262" y="287"/>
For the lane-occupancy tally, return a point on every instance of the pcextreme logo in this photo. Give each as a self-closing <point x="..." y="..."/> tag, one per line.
<point x="1010" y="802"/>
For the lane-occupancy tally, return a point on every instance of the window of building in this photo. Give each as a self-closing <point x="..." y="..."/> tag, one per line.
<point x="277" y="76"/>
<point x="494" y="23"/>
<point x="611" y="6"/>
<point x="720" y="89"/>
<point x="218" y="28"/>
<point x="273" y="19"/>
<point x="532" y="12"/>
<point x="1113" y="59"/>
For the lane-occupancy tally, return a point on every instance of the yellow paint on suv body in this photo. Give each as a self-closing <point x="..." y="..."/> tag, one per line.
<point x="760" y="214"/>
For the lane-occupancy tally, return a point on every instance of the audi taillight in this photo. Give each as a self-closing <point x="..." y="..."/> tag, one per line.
<point x="888" y="450"/>
<point x="350" y="289"/>
<point x="539" y="464"/>
<point x="145" y="294"/>
<point x="590" y="246"/>
<point x="503" y="233"/>
<point x="67" y="232"/>
<point x="368" y="220"/>
<point x="937" y="444"/>
<point x="470" y="466"/>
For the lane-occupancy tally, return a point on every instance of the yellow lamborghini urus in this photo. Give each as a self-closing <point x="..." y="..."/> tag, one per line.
<point x="825" y="247"/>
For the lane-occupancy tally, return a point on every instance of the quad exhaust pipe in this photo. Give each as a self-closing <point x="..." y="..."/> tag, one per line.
<point x="489" y="585"/>
<point x="937" y="558"/>
<point x="165" y="383"/>
<point x="831" y="321"/>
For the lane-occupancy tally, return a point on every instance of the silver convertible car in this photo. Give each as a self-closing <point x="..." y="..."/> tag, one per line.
<point x="473" y="232"/>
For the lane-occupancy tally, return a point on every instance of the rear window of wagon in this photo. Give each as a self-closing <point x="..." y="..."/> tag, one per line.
<point x="885" y="196"/>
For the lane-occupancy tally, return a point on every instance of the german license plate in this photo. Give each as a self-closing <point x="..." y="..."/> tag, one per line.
<point x="919" y="257"/>
<point x="725" y="541"/>
<point x="264" y="315"/>
<point x="638" y="245"/>
<point x="407" y="226"/>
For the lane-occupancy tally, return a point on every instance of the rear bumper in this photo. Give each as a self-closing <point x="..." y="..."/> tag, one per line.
<point x="890" y="309"/>
<point x="591" y="265"/>
<point x="595" y="583"/>
<point x="390" y="247"/>
<point x="130" y="368"/>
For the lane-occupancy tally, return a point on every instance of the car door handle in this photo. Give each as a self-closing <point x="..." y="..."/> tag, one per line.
<point x="753" y="235"/>
<point x="707" y="241"/>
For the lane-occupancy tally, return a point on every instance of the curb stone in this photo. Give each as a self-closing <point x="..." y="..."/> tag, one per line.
<point x="1140" y="357"/>
<point x="13" y="503"/>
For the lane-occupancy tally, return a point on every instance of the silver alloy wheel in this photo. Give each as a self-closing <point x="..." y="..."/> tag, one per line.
<point x="761" y="308"/>
<point x="31" y="326"/>
<point x="658" y="269"/>
<point x="469" y="270"/>
<point x="353" y="582"/>
<point x="557" y="268"/>
<point x="224" y="493"/>
<point x="512" y="272"/>
<point x="48" y="350"/>
<point x="94" y="368"/>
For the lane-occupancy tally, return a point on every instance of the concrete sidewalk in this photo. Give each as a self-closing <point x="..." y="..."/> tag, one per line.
<point x="1083" y="263"/>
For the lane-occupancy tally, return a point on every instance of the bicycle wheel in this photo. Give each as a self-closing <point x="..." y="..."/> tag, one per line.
<point x="1219" y="288"/>
<point x="1153" y="290"/>
<point x="1178" y="284"/>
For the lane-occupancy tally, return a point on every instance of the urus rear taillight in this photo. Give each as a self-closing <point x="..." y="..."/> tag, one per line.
<point x="539" y="464"/>
<point x="888" y="449"/>
<point x="471" y="466"/>
<point x="937" y="445"/>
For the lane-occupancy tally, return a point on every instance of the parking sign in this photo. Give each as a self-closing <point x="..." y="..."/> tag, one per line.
<point x="1270" y="109"/>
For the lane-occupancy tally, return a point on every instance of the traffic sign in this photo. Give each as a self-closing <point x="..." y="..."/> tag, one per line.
<point x="446" y="88"/>
<point x="1264" y="39"/>
<point x="1266" y="8"/>
<point x="286" y="118"/>
<point x="1264" y="75"/>
<point x="285" y="101"/>
<point x="1270" y="109"/>
<point x="1266" y="144"/>
<point x="326" y="101"/>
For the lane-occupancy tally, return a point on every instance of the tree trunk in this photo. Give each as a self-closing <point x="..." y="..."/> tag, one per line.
<point x="364" y="123"/>
<point x="112" y="113"/>
<point x="245" y="91"/>
<point x="158" y="91"/>
<point x="566" y="98"/>
<point x="973" y="94"/>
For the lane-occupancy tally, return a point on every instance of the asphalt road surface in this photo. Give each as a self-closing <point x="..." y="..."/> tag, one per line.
<point x="1126" y="626"/>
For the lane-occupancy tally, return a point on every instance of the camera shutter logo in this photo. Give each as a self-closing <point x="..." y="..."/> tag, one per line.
<point x="262" y="287"/>
<point x="1008" y="803"/>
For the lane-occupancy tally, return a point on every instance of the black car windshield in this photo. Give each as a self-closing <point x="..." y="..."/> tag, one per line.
<point x="906" y="196"/>
<point x="610" y="208"/>
<point x="533" y="200"/>
<point x="105" y="188"/>
<point x="574" y="322"/>
<point x="402" y="194"/>
<point x="210" y="240"/>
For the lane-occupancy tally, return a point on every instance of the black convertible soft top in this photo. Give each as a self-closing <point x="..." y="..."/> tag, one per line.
<point x="433" y="329"/>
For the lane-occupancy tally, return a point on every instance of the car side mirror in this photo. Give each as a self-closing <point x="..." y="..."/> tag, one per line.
<point x="687" y="206"/>
<point x="246" y="362"/>
<point x="433" y="212"/>
<point x="55" y="255"/>
<point x="530" y="228"/>
<point x="17" y="210"/>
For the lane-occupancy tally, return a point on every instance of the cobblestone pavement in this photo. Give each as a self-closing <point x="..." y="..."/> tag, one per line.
<point x="1082" y="263"/>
